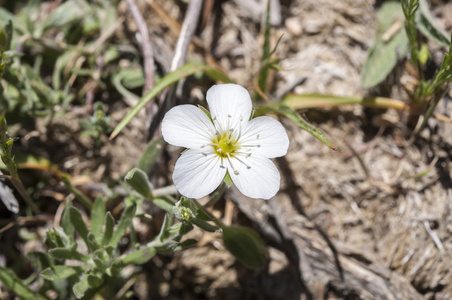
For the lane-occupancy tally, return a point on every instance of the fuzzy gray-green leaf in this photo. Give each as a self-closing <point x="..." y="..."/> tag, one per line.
<point x="390" y="44"/>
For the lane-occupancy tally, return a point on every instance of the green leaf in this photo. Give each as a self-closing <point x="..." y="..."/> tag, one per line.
<point x="167" y="221"/>
<point x="124" y="223"/>
<point x="60" y="272"/>
<point x="206" y="226"/>
<point x="56" y="237"/>
<point x="166" y="81"/>
<point x="150" y="155"/>
<point x="117" y="82"/>
<point x="109" y="224"/>
<point x="69" y="253"/>
<point x="3" y="41"/>
<point x="139" y="181"/>
<point x="66" y="223"/>
<point x="92" y="242"/>
<point x="391" y="43"/>
<point x="140" y="256"/>
<point x="66" y="13"/>
<point x="227" y="179"/>
<point x="426" y="25"/>
<point x="78" y="223"/>
<point x="264" y="68"/>
<point x="292" y="115"/>
<point x="186" y="243"/>
<point x="98" y="218"/>
<point x="245" y="245"/>
<point x="95" y="280"/>
<point x="40" y="259"/>
<point x="15" y="284"/>
<point x="81" y="287"/>
<point x="204" y="110"/>
<point x="164" y="202"/>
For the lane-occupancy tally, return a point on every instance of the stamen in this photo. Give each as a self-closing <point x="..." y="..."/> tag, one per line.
<point x="257" y="137"/>
<point x="248" y="167"/>
<point x="248" y="146"/>
<point x="236" y="172"/>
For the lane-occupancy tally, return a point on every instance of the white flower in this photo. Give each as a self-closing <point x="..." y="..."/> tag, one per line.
<point x="230" y="142"/>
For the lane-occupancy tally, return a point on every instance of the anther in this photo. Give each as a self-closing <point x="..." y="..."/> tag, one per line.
<point x="248" y="167"/>
<point x="257" y="137"/>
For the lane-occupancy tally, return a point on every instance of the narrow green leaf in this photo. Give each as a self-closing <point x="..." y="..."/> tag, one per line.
<point x="95" y="280"/>
<point x="66" y="223"/>
<point x="164" y="202"/>
<point x="139" y="181"/>
<point x="166" y="81"/>
<point x="69" y="253"/>
<point x="3" y="41"/>
<point x="60" y="272"/>
<point x="66" y="13"/>
<point x="98" y="218"/>
<point x="204" y="110"/>
<point x="140" y="256"/>
<point x="15" y="284"/>
<point x="245" y="245"/>
<point x="167" y="221"/>
<point x="426" y="25"/>
<point x="92" y="242"/>
<point x="150" y="155"/>
<point x="206" y="226"/>
<point x="56" y="237"/>
<point x="81" y="287"/>
<point x="264" y="69"/>
<point x="78" y="223"/>
<point x="109" y="225"/>
<point x="186" y="243"/>
<point x="227" y="179"/>
<point x="124" y="223"/>
<point x="40" y="259"/>
<point x="292" y="115"/>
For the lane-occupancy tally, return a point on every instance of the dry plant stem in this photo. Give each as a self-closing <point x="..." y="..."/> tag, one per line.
<point x="183" y="42"/>
<point x="175" y="28"/>
<point x="146" y="47"/>
<point x="186" y="34"/>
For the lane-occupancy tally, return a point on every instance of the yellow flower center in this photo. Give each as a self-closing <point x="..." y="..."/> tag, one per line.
<point x="225" y="145"/>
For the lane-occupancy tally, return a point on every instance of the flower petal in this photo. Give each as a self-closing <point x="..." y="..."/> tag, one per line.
<point x="266" y="136"/>
<point x="187" y="126"/>
<point x="256" y="176"/>
<point x="197" y="174"/>
<point x="230" y="104"/>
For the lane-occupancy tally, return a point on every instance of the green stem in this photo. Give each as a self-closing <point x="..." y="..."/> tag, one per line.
<point x="78" y="194"/>
<point x="217" y="222"/>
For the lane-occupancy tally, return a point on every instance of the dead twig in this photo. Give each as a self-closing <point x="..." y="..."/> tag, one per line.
<point x="146" y="47"/>
<point x="183" y="42"/>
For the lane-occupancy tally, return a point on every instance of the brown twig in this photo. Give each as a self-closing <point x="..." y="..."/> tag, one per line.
<point x="183" y="42"/>
<point x="146" y="47"/>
